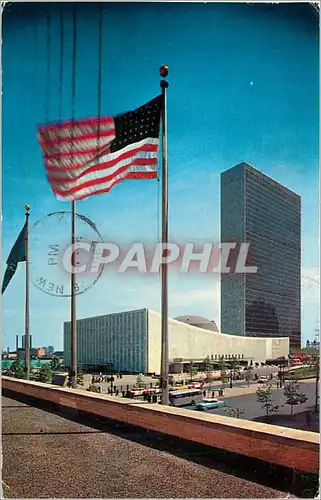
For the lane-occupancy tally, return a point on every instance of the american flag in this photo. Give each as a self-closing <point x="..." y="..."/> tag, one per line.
<point x="89" y="156"/>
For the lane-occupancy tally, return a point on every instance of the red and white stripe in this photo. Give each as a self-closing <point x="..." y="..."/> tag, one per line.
<point x="79" y="163"/>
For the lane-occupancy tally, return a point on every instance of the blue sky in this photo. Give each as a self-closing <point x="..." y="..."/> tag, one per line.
<point x="243" y="87"/>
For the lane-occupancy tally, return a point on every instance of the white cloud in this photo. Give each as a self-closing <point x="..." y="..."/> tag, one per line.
<point x="194" y="296"/>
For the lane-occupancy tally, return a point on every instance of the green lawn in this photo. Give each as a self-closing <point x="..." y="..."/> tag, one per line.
<point x="301" y="373"/>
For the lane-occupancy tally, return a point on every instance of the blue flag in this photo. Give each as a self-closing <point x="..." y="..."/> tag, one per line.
<point x="17" y="254"/>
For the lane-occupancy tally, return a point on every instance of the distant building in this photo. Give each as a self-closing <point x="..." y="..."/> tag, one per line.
<point x="315" y="344"/>
<point x="11" y="355"/>
<point x="35" y="352"/>
<point x="21" y="354"/>
<point x="58" y="354"/>
<point x="39" y="352"/>
<point x="24" y="341"/>
<point x="49" y="350"/>
<point x="256" y="209"/>
<point x="131" y="342"/>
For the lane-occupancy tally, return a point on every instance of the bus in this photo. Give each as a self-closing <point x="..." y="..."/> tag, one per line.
<point x="185" y="398"/>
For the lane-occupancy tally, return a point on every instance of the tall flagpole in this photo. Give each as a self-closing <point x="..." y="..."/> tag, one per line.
<point x="27" y="336"/>
<point x="73" y="333"/>
<point x="164" y="345"/>
<point x="73" y="300"/>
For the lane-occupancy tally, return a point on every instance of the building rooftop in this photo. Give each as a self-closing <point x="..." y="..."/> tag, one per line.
<point x="273" y="182"/>
<point x="199" y="321"/>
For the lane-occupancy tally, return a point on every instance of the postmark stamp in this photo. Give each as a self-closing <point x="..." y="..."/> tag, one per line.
<point x="48" y="239"/>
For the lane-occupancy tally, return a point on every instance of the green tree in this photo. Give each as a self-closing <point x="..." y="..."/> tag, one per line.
<point x="264" y="397"/>
<point x="191" y="370"/>
<point x="55" y="364"/>
<point x="234" y="412"/>
<point x="80" y="378"/>
<point x="44" y="374"/>
<point x="224" y="378"/>
<point x="233" y="372"/>
<point x="233" y="363"/>
<point x="305" y="350"/>
<point x="208" y="368"/>
<point x="292" y="394"/>
<point x="249" y="376"/>
<point x="222" y="364"/>
<point x="17" y="369"/>
<point x="139" y="381"/>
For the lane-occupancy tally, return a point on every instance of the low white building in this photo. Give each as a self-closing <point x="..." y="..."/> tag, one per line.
<point x="131" y="342"/>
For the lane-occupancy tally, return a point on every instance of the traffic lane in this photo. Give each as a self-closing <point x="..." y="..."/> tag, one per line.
<point x="235" y="383"/>
<point x="254" y="410"/>
<point x="47" y="455"/>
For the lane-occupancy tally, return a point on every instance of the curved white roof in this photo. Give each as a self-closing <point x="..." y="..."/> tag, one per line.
<point x="199" y="321"/>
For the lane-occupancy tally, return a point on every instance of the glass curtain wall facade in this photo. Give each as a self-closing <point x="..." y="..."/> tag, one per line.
<point x="114" y="341"/>
<point x="258" y="210"/>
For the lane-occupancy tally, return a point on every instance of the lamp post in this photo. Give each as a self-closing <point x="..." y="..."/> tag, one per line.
<point x="281" y="374"/>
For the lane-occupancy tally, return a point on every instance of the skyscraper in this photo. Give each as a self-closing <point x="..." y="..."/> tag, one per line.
<point x="256" y="209"/>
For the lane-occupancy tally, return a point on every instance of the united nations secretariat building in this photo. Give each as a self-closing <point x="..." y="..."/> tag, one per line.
<point x="130" y="342"/>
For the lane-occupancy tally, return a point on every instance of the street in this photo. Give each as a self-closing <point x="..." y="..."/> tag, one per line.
<point x="254" y="411"/>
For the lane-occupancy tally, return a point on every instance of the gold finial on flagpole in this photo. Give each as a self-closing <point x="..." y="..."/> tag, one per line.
<point x="163" y="71"/>
<point x="27" y="207"/>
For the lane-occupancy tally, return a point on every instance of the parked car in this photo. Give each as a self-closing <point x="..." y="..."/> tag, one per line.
<point x="262" y="380"/>
<point x="196" y="385"/>
<point x="209" y="404"/>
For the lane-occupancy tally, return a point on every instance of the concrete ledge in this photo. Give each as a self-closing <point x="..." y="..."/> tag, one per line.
<point x="291" y="448"/>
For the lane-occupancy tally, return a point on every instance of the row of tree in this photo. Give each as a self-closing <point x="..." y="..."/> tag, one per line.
<point x="42" y="374"/>
<point x="292" y="393"/>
